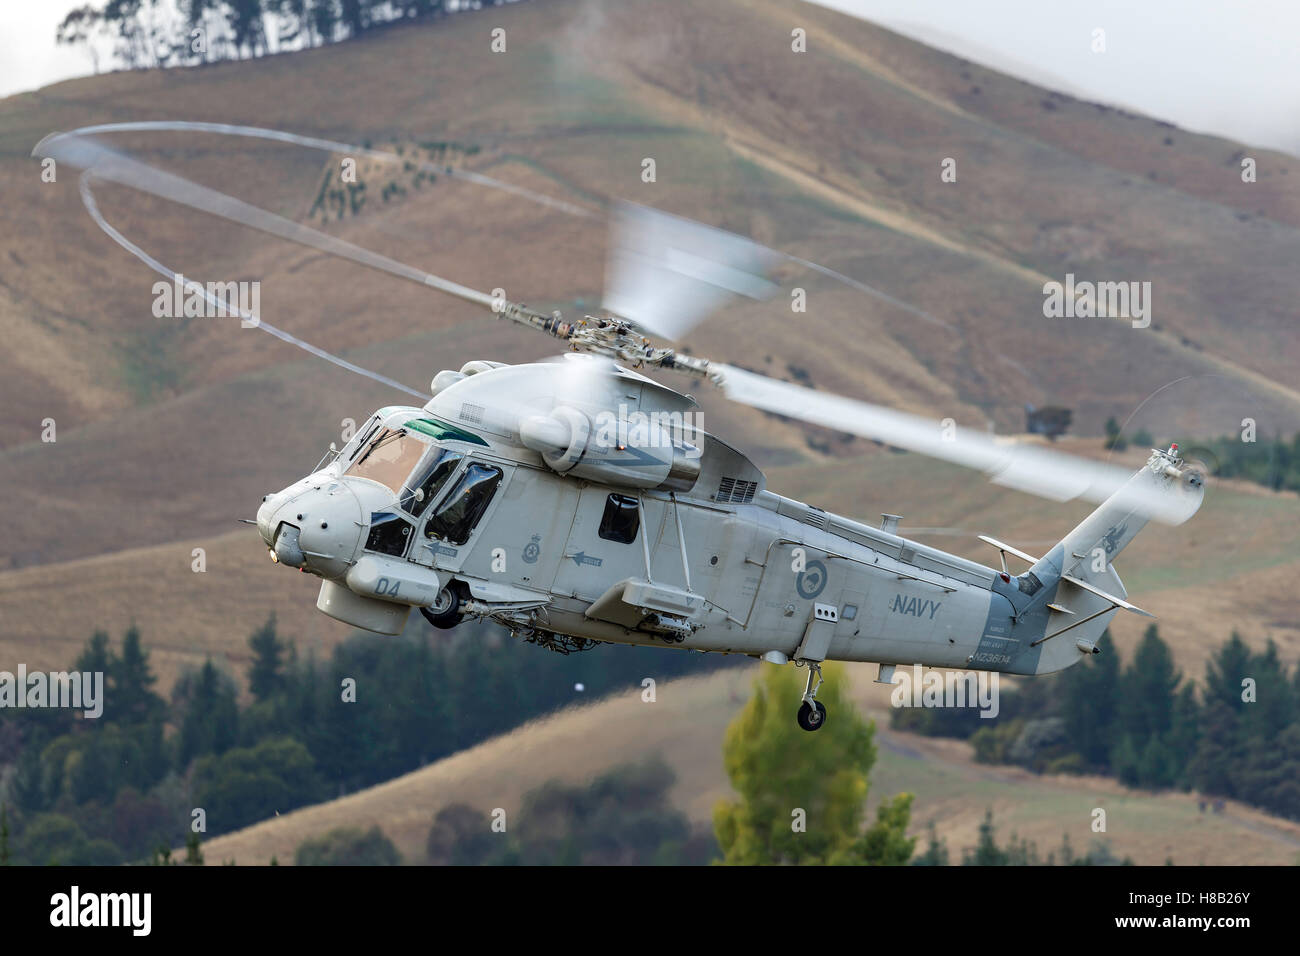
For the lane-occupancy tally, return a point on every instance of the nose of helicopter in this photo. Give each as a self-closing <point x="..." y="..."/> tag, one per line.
<point x="313" y="525"/>
<point x="266" y="523"/>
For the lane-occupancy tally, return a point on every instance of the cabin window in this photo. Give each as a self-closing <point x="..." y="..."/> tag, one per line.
<point x="621" y="519"/>
<point x="849" y="613"/>
<point x="389" y="534"/>
<point x="456" y="517"/>
<point x="428" y="482"/>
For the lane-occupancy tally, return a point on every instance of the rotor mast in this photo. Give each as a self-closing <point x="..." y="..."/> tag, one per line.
<point x="610" y="336"/>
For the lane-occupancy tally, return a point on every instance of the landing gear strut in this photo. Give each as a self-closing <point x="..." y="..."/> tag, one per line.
<point x="812" y="712"/>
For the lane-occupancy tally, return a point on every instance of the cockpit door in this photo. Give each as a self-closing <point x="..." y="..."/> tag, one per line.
<point x="529" y="524"/>
<point x="453" y="526"/>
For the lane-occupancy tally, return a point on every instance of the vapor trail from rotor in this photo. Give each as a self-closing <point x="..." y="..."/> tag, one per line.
<point x="88" y="200"/>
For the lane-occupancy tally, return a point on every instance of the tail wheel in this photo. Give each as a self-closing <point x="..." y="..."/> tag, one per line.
<point x="812" y="716"/>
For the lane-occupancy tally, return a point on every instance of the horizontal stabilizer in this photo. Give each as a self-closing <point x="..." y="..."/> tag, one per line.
<point x="1117" y="601"/>
<point x="1008" y="549"/>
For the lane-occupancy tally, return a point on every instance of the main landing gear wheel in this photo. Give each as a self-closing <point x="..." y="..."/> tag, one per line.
<point x="812" y="712"/>
<point x="445" y="611"/>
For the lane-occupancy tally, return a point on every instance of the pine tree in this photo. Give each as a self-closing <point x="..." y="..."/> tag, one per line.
<point x="193" y="852"/>
<point x="1224" y="672"/>
<point x="1215" y="767"/>
<point x="1271" y="776"/>
<point x="4" y="835"/>
<point x="28" y="786"/>
<point x="936" y="850"/>
<point x="266" y="674"/>
<point x="97" y="657"/>
<point x="154" y="752"/>
<point x="211" y="720"/>
<point x="1067" y="851"/>
<point x="1124" y="760"/>
<point x="1158" y="766"/>
<point x="1184" y="736"/>
<point x="132" y="696"/>
<point x="1295" y="691"/>
<point x="1148" y="686"/>
<point x="1273" y="708"/>
<point x="1090" y="695"/>
<point x="986" y="852"/>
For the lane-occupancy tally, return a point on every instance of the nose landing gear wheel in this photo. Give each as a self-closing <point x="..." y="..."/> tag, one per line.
<point x="445" y="611"/>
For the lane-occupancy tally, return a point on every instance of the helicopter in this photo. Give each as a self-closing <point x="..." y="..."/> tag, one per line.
<point x="578" y="502"/>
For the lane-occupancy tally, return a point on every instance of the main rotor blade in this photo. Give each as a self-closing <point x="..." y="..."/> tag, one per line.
<point x="1048" y="474"/>
<point x="667" y="274"/>
<point x="84" y="152"/>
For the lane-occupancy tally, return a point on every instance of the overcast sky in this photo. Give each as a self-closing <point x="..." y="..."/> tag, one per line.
<point x="1230" y="67"/>
<point x="1222" y="66"/>
<point x="29" y="58"/>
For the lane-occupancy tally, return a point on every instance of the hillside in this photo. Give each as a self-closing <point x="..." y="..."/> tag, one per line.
<point x="833" y="154"/>
<point x="685" y="725"/>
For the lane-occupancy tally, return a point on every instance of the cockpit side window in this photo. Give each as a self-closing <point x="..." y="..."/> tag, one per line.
<point x="456" y="517"/>
<point x="429" y="480"/>
<point x="389" y="534"/>
<point x="387" y="458"/>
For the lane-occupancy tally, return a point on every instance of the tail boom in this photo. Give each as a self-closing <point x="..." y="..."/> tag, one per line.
<point x="1062" y="605"/>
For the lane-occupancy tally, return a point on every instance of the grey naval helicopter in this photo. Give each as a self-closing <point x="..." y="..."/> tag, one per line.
<point x="577" y="502"/>
<point x="580" y="501"/>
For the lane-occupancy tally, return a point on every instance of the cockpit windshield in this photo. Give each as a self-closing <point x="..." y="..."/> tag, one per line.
<point x="387" y="457"/>
<point x="357" y="443"/>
